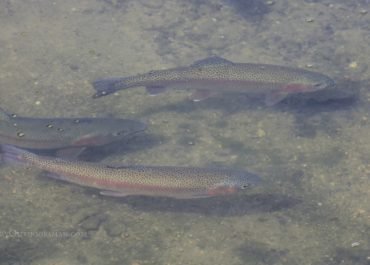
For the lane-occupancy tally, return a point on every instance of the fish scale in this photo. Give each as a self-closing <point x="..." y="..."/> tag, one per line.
<point x="176" y="182"/>
<point x="215" y="75"/>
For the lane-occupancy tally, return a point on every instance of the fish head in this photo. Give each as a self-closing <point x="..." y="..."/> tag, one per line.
<point x="313" y="82"/>
<point x="237" y="182"/>
<point x="321" y="82"/>
<point x="310" y="83"/>
<point x="245" y="180"/>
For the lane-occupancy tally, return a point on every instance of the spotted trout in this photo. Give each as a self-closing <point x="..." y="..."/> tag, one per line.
<point x="175" y="182"/>
<point x="64" y="133"/>
<point x="215" y="75"/>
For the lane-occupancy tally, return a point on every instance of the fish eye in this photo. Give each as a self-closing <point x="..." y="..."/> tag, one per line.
<point x="118" y="133"/>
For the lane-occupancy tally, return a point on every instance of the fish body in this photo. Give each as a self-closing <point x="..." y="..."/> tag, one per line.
<point x="216" y="75"/>
<point x="60" y="133"/>
<point x="175" y="182"/>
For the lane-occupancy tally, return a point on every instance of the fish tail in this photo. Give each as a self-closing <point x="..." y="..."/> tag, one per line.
<point x="12" y="154"/>
<point x="107" y="86"/>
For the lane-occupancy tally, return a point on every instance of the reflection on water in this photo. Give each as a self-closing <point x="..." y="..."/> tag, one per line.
<point x="311" y="150"/>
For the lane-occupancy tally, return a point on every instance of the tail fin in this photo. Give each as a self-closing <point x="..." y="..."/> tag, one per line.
<point x="105" y="87"/>
<point x="12" y="154"/>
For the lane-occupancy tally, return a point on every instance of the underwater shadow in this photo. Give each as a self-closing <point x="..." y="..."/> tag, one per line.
<point x="17" y="250"/>
<point x="313" y="112"/>
<point x="254" y="252"/>
<point x="251" y="10"/>
<point x="216" y="206"/>
<point x="344" y="95"/>
<point x="136" y="143"/>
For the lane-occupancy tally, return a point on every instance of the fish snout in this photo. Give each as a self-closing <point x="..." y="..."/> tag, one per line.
<point x="324" y="83"/>
<point x="251" y="180"/>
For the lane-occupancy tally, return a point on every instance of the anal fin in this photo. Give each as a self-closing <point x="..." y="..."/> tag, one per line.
<point x="201" y="94"/>
<point x="155" y="90"/>
<point x="113" y="193"/>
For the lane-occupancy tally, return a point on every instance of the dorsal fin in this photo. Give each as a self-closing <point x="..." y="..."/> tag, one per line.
<point x="214" y="60"/>
<point x="116" y="166"/>
<point x="4" y="116"/>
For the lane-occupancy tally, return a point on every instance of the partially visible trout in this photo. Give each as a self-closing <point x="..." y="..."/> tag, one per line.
<point x="175" y="182"/>
<point x="63" y="133"/>
<point x="216" y="75"/>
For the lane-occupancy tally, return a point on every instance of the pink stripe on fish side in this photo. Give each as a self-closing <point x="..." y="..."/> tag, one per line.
<point x="115" y="185"/>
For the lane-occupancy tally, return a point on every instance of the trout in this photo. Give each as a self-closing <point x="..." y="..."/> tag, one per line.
<point x="64" y="133"/>
<point x="164" y="181"/>
<point x="215" y="75"/>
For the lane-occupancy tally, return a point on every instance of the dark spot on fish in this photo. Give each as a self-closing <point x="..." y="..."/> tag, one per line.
<point x="74" y="67"/>
<point x="244" y="187"/>
<point x="15" y="124"/>
<point x="60" y="129"/>
<point x="20" y="134"/>
<point x="49" y="126"/>
<point x="76" y="121"/>
<point x="118" y="133"/>
<point x="13" y="115"/>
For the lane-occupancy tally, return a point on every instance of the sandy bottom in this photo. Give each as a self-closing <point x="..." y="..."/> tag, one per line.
<point x="312" y="151"/>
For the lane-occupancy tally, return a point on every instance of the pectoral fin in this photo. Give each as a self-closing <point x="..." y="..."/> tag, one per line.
<point x="113" y="193"/>
<point x="155" y="90"/>
<point x="201" y="94"/>
<point x="70" y="152"/>
<point x="274" y="98"/>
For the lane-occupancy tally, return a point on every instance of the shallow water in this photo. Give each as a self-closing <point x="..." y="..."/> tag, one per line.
<point x="312" y="151"/>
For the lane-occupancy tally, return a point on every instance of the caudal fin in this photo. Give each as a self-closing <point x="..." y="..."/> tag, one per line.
<point x="12" y="154"/>
<point x="105" y="87"/>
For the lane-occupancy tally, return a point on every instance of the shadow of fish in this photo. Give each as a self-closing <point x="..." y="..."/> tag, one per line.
<point x="175" y="182"/>
<point x="215" y="75"/>
<point x="69" y="135"/>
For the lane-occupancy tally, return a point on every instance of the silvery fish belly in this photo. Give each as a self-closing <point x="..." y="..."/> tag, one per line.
<point x="175" y="182"/>
<point x="60" y="133"/>
<point x="215" y="75"/>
